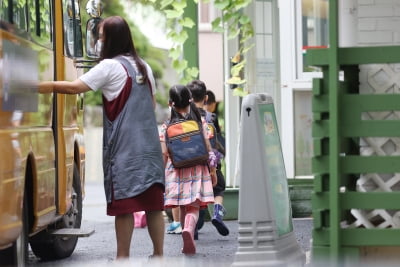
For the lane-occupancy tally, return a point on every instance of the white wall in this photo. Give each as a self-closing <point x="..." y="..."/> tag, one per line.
<point x="378" y="22"/>
<point x="211" y="62"/>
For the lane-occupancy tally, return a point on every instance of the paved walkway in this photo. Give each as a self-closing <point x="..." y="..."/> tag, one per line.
<point x="212" y="248"/>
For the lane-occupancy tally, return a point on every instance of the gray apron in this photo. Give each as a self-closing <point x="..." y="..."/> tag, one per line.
<point x="132" y="157"/>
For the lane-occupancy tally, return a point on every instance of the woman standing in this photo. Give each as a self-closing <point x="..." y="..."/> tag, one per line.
<point x="132" y="157"/>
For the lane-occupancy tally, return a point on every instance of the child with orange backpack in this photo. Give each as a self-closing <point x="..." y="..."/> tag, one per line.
<point x="190" y="187"/>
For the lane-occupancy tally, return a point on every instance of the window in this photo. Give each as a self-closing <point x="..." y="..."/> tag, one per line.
<point x="28" y="17"/>
<point x="302" y="131"/>
<point x="72" y="28"/>
<point x="266" y="49"/>
<point x="206" y="14"/>
<point x="40" y="24"/>
<point x="4" y="10"/>
<point x="14" y="16"/>
<point x="20" y="15"/>
<point x="314" y="29"/>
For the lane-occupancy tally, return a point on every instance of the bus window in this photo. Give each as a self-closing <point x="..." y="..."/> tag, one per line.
<point x="40" y="22"/>
<point x="72" y="28"/>
<point x="20" y="15"/>
<point x="4" y="12"/>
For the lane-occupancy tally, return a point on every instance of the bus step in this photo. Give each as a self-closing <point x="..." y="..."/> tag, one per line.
<point x="68" y="232"/>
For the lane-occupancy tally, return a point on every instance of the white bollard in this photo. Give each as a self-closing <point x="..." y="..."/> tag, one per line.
<point x="266" y="236"/>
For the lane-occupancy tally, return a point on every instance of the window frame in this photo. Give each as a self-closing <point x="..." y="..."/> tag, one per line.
<point x="76" y="23"/>
<point x="301" y="75"/>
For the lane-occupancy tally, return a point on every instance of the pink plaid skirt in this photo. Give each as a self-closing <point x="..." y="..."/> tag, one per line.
<point x="185" y="186"/>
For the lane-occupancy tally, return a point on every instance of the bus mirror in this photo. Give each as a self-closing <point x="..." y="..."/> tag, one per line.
<point x="92" y="36"/>
<point x="94" y="8"/>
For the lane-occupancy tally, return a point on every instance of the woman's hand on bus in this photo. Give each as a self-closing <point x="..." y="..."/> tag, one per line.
<point x="64" y="87"/>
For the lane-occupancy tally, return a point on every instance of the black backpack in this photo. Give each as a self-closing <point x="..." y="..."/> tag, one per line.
<point x="217" y="141"/>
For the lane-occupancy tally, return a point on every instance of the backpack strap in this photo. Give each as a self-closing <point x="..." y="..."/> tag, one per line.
<point x="210" y="117"/>
<point x="131" y="71"/>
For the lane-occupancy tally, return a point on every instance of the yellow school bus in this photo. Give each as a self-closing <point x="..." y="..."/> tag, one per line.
<point x="42" y="155"/>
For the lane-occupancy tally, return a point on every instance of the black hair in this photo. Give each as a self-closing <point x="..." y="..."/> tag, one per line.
<point x="211" y="97"/>
<point x="118" y="41"/>
<point x="198" y="90"/>
<point x="181" y="97"/>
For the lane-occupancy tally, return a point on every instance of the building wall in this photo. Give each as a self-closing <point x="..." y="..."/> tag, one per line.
<point x="378" y="22"/>
<point x="211" y="62"/>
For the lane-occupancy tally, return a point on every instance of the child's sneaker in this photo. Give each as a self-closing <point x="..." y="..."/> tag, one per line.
<point x="174" y="228"/>
<point x="216" y="220"/>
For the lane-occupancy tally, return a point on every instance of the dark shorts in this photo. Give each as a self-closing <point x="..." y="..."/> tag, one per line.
<point x="219" y="189"/>
<point x="150" y="200"/>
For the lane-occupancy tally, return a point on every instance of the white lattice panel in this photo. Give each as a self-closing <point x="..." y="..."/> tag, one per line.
<point x="379" y="79"/>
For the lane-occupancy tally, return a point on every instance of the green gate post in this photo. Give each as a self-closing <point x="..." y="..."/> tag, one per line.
<point x="334" y="141"/>
<point x="191" y="45"/>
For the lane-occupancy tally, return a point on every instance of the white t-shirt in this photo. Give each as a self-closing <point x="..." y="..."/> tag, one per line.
<point x="110" y="76"/>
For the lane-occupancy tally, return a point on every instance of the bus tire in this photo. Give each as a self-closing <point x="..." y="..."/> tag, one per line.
<point x="50" y="247"/>
<point x="17" y="254"/>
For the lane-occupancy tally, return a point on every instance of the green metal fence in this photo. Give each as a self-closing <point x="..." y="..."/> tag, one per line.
<point x="338" y="126"/>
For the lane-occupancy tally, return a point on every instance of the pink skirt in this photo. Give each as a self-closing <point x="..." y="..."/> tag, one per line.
<point x="185" y="186"/>
<point x="150" y="200"/>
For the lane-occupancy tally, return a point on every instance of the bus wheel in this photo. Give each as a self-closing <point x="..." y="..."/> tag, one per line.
<point x="17" y="254"/>
<point x="52" y="247"/>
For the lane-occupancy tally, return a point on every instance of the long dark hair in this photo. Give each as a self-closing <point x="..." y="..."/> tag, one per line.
<point x="118" y="40"/>
<point x="181" y="97"/>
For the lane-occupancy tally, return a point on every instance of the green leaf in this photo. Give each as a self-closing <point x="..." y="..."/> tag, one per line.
<point x="175" y="53"/>
<point x="218" y="29"/>
<point x="179" y="5"/>
<point x="186" y="22"/>
<point x="173" y="14"/>
<point x="244" y="19"/>
<point x="241" y="4"/>
<point x="239" y="91"/>
<point x="248" y="28"/>
<point x="235" y="80"/>
<point x="235" y="70"/>
<point x="180" y="37"/>
<point x="233" y="33"/>
<point x="216" y="23"/>
<point x="165" y="3"/>
<point x="227" y="16"/>
<point x="172" y="34"/>
<point x="221" y="4"/>
<point x="247" y="48"/>
<point x="245" y="38"/>
<point x="192" y="72"/>
<point x="185" y="80"/>
<point x="179" y="65"/>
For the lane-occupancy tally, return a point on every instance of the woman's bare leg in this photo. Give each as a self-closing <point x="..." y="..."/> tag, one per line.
<point x="123" y="229"/>
<point x="156" y="228"/>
